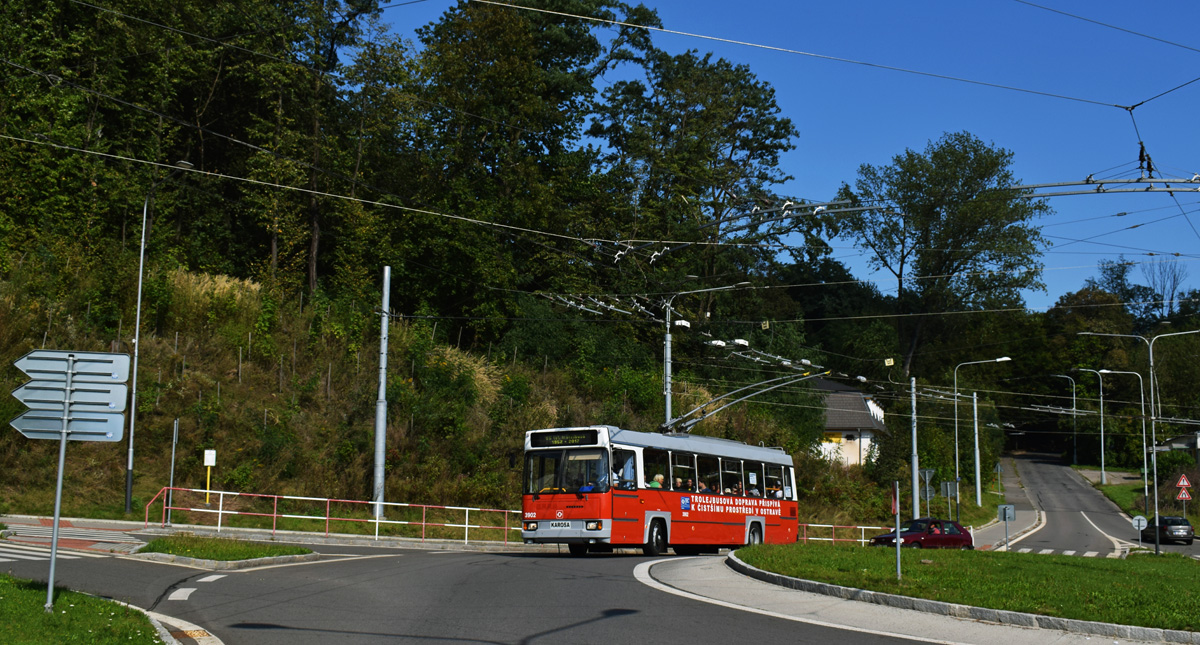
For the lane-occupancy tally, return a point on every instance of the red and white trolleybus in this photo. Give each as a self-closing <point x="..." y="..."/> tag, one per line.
<point x="599" y="487"/>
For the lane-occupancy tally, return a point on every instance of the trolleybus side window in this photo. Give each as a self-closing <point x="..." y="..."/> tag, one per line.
<point x="683" y="471"/>
<point x="754" y="478"/>
<point x="625" y="469"/>
<point x="774" y="481"/>
<point x="731" y="477"/>
<point x="656" y="462"/>
<point x="709" y="470"/>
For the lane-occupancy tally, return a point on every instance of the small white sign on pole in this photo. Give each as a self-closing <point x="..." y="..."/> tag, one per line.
<point x="210" y="458"/>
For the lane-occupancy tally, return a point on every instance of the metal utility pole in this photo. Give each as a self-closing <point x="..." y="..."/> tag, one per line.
<point x="915" y="461"/>
<point x="381" y="400"/>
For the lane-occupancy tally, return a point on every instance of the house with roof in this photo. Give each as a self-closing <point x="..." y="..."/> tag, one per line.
<point x="852" y="422"/>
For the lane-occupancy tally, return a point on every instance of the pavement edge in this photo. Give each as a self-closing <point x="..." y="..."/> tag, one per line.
<point x="1085" y="627"/>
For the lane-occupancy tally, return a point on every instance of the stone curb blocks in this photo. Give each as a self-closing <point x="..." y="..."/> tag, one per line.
<point x="1086" y="627"/>
<point x="223" y="565"/>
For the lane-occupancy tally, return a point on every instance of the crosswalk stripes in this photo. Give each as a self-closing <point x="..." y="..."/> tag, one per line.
<point x="13" y="552"/>
<point x="94" y="535"/>
<point x="1087" y="554"/>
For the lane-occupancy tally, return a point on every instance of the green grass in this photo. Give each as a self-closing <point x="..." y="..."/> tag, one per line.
<point x="76" y="617"/>
<point x="208" y="548"/>
<point x="1143" y="590"/>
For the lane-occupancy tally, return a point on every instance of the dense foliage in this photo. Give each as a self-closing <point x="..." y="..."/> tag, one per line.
<point x="547" y="191"/>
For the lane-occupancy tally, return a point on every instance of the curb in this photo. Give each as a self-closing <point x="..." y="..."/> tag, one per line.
<point x="225" y="565"/>
<point x="1019" y="619"/>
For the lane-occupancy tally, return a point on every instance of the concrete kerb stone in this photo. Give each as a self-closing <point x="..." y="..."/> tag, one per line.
<point x="226" y="565"/>
<point x="1085" y="627"/>
<point x="344" y="539"/>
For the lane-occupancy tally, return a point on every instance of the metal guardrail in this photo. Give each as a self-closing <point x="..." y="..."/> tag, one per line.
<point x="862" y="539"/>
<point x="328" y="516"/>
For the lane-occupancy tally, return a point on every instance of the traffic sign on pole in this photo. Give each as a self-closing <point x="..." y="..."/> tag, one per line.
<point x="1183" y="482"/>
<point x="1184" y="495"/>
<point x="90" y="367"/>
<point x="85" y="389"/>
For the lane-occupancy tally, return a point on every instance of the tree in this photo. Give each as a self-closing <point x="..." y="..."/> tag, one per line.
<point x="1138" y="300"/>
<point x="1165" y="278"/>
<point x="950" y="227"/>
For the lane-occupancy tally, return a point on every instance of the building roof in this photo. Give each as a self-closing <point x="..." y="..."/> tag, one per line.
<point x="847" y="409"/>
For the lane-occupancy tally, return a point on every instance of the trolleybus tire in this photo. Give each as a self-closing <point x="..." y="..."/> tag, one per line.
<point x="755" y="535"/>
<point x="578" y="550"/>
<point x="657" y="544"/>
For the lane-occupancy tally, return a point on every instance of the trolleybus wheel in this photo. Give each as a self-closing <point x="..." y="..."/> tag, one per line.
<point x="657" y="544"/>
<point x="577" y="550"/>
<point x="755" y="535"/>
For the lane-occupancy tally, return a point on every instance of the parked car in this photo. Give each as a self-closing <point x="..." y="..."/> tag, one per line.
<point x="1171" y="528"/>
<point x="928" y="533"/>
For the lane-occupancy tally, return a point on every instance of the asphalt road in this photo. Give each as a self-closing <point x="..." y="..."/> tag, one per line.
<point x="1078" y="518"/>
<point x="381" y="595"/>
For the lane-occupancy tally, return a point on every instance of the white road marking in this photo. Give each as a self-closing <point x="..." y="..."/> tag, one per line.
<point x="1024" y="550"/>
<point x="1091" y="554"/>
<point x="1115" y="542"/>
<point x="1039" y="525"/>
<point x="45" y="550"/>
<point x="1068" y="553"/>
<point x="1045" y="551"/>
<point x="180" y="594"/>
<point x="212" y="578"/>
<point x="642" y="573"/>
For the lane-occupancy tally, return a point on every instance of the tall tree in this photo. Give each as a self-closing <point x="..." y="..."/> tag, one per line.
<point x="948" y="224"/>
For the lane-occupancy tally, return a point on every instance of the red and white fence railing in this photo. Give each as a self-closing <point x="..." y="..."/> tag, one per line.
<point x="331" y="512"/>
<point x="858" y="534"/>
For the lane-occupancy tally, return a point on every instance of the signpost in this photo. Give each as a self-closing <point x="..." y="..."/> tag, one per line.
<point x="77" y="396"/>
<point x="1183" y="484"/>
<point x="926" y="491"/>
<point x="896" y="512"/>
<point x="1006" y="513"/>
<point x="1139" y="523"/>
<point x="949" y="490"/>
<point x="210" y="460"/>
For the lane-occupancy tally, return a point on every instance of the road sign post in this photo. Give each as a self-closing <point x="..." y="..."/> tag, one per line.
<point x="927" y="492"/>
<point x="1183" y="485"/>
<point x="1006" y="513"/>
<point x="210" y="460"/>
<point x="1139" y="523"/>
<point x="76" y="396"/>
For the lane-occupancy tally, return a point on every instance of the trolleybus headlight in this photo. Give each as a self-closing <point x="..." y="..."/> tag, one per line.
<point x="531" y="526"/>
<point x="595" y="525"/>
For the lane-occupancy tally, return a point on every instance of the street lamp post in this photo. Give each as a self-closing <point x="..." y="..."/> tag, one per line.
<point x="667" y="338"/>
<point x="957" y="478"/>
<point x="1142" y="393"/>
<point x="137" y="332"/>
<point x="1153" y="414"/>
<point x="1103" y="476"/>
<point x="1074" y="422"/>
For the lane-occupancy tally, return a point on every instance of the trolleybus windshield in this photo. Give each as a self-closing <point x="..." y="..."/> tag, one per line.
<point x="581" y="470"/>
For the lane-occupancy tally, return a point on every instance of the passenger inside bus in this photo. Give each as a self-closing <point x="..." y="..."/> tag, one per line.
<point x="703" y="488"/>
<point x="657" y="482"/>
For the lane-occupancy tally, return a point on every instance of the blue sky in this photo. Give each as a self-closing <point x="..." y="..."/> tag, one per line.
<point x="850" y="114"/>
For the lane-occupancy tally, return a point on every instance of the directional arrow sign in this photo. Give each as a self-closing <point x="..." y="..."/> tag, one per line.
<point x="100" y="426"/>
<point x="86" y="397"/>
<point x="90" y="367"/>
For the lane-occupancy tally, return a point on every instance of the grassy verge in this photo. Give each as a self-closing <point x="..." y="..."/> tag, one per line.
<point x="76" y="618"/>
<point x="1127" y="592"/>
<point x="208" y="548"/>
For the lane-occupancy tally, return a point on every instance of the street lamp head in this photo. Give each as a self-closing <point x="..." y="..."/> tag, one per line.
<point x="716" y="343"/>
<point x="682" y="323"/>
<point x="742" y="284"/>
<point x="1003" y="359"/>
<point x="183" y="165"/>
<point x="1106" y="371"/>
<point x="741" y="342"/>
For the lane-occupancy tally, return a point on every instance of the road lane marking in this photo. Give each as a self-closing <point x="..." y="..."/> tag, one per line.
<point x="642" y="573"/>
<point x="1045" y="551"/>
<point x="1024" y="550"/>
<point x="212" y="578"/>
<point x="1091" y="554"/>
<point x="1068" y="553"/>
<point x="45" y="550"/>
<point x="181" y="594"/>
<point x="1115" y="542"/>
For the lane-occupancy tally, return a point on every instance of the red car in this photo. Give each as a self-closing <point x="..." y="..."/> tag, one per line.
<point x="928" y="533"/>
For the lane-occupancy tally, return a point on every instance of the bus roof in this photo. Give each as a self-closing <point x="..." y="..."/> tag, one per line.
<point x="688" y="442"/>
